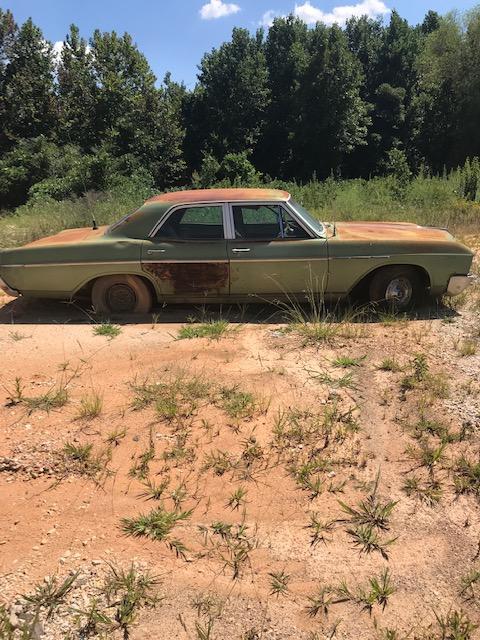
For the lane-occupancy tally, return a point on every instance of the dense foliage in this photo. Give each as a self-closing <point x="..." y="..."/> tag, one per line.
<point x="372" y="99"/>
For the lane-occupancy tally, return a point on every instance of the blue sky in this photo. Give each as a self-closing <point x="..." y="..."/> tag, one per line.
<point x="174" y="34"/>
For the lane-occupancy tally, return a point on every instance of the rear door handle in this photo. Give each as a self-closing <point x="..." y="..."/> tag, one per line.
<point x="150" y="251"/>
<point x="242" y="250"/>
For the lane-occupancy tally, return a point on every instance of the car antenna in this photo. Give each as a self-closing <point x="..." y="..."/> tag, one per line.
<point x="94" y="222"/>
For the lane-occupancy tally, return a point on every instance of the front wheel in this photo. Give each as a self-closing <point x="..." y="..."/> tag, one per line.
<point x="396" y="287"/>
<point x="121" y="294"/>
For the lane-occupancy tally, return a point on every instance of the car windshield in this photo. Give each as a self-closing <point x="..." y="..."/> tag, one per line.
<point x="312" y="222"/>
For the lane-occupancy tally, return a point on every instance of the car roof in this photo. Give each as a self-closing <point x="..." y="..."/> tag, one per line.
<point x="220" y="195"/>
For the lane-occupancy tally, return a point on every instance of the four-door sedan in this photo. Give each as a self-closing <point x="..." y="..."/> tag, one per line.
<point x="222" y="245"/>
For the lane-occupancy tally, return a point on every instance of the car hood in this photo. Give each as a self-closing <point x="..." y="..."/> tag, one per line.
<point x="388" y="231"/>
<point x="69" y="236"/>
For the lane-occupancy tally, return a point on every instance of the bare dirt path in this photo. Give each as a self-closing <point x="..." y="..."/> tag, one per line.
<point x="258" y="437"/>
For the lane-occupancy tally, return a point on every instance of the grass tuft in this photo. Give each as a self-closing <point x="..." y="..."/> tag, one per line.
<point x="157" y="525"/>
<point x="279" y="583"/>
<point x="237" y="403"/>
<point x="390" y="364"/>
<point x="91" y="406"/>
<point x="107" y="330"/>
<point x="213" y="329"/>
<point x="51" y="593"/>
<point x="344" y="362"/>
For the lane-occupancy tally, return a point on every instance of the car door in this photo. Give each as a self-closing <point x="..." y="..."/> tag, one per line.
<point x="187" y="255"/>
<point x="273" y="253"/>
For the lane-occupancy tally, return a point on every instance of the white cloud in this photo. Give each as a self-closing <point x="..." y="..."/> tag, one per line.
<point x="57" y="49"/>
<point x="339" y="15"/>
<point x="217" y="9"/>
<point x="268" y="18"/>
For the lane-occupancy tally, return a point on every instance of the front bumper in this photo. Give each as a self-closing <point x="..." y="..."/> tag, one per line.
<point x="457" y="284"/>
<point x="10" y="292"/>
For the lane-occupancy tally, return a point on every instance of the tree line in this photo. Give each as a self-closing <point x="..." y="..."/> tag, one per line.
<point x="290" y="103"/>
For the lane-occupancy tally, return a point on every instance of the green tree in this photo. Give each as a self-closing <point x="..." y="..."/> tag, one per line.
<point x="430" y="23"/>
<point x="134" y="119"/>
<point x="469" y="87"/>
<point x="126" y="104"/>
<point x="232" y="95"/>
<point x="28" y="96"/>
<point x="394" y="116"/>
<point x="334" y="117"/>
<point x="77" y="92"/>
<point x="438" y="100"/>
<point x="168" y="165"/>
<point x="8" y="30"/>
<point x="287" y="57"/>
<point x="39" y="164"/>
<point x="365" y="38"/>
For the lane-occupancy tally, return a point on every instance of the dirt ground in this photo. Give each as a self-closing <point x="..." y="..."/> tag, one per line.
<point x="378" y="410"/>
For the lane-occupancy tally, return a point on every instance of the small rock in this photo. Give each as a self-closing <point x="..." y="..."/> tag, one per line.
<point x="13" y="620"/>
<point x="38" y="631"/>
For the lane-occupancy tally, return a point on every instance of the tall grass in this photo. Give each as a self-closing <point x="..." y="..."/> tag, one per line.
<point x="426" y="200"/>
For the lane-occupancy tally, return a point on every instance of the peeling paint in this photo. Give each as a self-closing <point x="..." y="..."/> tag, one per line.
<point x="391" y="231"/>
<point x="69" y="236"/>
<point x="191" y="277"/>
<point x="221" y="195"/>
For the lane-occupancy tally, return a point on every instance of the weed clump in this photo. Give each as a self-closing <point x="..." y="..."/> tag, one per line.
<point x="157" y="525"/>
<point x="213" y="329"/>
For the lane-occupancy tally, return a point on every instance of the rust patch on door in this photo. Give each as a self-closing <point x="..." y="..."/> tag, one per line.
<point x="191" y="277"/>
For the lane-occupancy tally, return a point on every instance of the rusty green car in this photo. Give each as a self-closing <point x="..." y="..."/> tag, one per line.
<point x="239" y="245"/>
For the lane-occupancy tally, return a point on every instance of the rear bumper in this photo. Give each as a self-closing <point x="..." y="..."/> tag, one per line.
<point x="457" y="284"/>
<point x="10" y="292"/>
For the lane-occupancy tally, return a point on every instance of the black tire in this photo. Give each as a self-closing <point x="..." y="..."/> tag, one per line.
<point x="396" y="287"/>
<point x="121" y="294"/>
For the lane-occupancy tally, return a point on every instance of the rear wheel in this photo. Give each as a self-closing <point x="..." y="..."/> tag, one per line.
<point x="396" y="287"/>
<point x="121" y="294"/>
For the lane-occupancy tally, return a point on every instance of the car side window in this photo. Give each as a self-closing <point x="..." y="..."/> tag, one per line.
<point x="193" y="223"/>
<point x="265" y="222"/>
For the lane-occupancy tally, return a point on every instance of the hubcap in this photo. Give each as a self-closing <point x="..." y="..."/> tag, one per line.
<point x="399" y="291"/>
<point x="121" y="298"/>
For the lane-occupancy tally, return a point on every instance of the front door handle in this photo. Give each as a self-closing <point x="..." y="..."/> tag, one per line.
<point x="240" y="250"/>
<point x="150" y="251"/>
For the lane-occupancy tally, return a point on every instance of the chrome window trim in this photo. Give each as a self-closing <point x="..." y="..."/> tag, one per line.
<point x="190" y="205"/>
<point x="305" y="223"/>
<point x="268" y="203"/>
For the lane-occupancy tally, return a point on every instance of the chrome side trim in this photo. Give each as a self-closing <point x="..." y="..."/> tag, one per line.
<point x="359" y="257"/>
<point x="399" y="255"/>
<point x="247" y="259"/>
<point x="161" y="261"/>
<point x="69" y="264"/>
